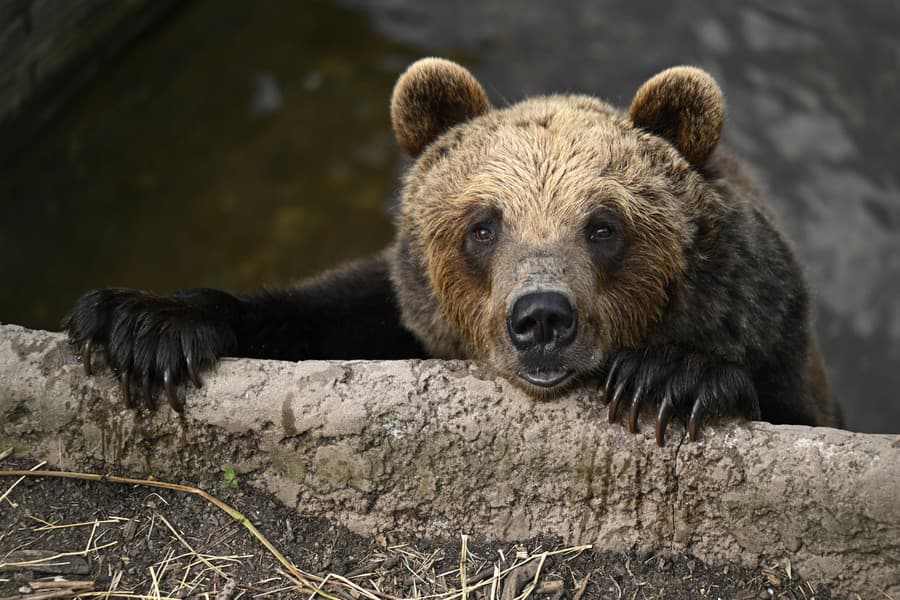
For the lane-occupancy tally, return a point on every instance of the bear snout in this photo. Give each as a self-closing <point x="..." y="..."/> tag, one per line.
<point x="542" y="321"/>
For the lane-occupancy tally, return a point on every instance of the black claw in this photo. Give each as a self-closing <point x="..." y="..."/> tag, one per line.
<point x="662" y="419"/>
<point x="635" y="409"/>
<point x="610" y="377"/>
<point x="86" y="352"/>
<point x="193" y="372"/>
<point x="696" y="419"/>
<point x="171" y="394"/>
<point x="125" y="388"/>
<point x="148" y="397"/>
<point x="614" y="404"/>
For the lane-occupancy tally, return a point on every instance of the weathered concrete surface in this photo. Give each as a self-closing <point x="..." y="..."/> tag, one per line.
<point x="433" y="448"/>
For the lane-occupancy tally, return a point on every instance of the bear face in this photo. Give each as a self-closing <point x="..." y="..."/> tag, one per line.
<point x="544" y="236"/>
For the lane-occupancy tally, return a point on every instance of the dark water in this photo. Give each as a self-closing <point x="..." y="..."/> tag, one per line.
<point x="244" y="144"/>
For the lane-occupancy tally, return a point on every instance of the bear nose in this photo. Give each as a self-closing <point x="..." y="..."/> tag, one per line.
<point x="542" y="319"/>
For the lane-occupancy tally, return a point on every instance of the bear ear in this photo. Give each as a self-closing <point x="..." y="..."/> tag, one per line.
<point x="685" y="106"/>
<point x="432" y="96"/>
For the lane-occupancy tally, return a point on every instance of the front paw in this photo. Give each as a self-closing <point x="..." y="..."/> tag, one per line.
<point x="152" y="342"/>
<point x="684" y="384"/>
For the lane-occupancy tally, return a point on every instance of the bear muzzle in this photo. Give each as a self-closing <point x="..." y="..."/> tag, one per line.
<point x="540" y="325"/>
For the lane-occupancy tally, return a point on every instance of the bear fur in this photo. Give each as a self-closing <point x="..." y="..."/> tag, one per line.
<point x="558" y="239"/>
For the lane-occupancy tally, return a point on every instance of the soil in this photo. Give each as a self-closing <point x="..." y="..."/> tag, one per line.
<point x="137" y="541"/>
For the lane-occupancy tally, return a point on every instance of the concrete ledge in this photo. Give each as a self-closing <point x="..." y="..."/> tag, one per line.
<point x="437" y="448"/>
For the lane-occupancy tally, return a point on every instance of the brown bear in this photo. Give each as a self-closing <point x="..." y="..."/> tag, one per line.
<point x="558" y="239"/>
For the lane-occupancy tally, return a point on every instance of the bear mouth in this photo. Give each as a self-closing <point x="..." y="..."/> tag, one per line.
<point x="546" y="378"/>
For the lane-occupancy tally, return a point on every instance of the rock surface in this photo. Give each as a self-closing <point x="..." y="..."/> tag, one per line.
<point x="433" y="448"/>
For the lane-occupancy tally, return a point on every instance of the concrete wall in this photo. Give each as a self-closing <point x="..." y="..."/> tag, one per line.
<point x="425" y="448"/>
<point x="49" y="48"/>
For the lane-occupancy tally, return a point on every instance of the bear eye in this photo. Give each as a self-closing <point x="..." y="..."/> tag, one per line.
<point x="606" y="238"/>
<point x="481" y="239"/>
<point x="482" y="234"/>
<point x="598" y="233"/>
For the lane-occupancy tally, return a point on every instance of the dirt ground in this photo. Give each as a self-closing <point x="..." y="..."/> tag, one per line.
<point x="64" y="538"/>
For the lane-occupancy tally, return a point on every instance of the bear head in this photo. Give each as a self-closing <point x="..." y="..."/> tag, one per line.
<point x="543" y="236"/>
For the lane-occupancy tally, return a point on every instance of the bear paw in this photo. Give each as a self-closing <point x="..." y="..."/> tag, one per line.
<point x="156" y="342"/>
<point x="685" y="384"/>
